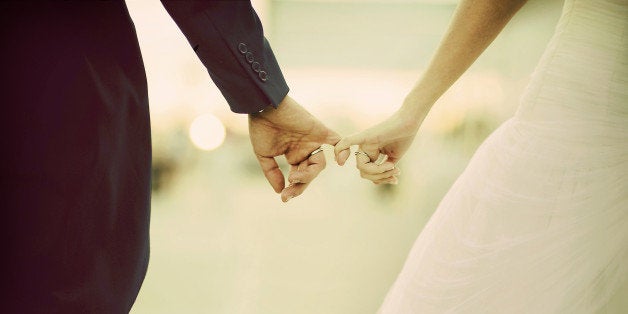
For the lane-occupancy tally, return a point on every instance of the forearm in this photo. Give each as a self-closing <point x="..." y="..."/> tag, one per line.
<point x="228" y="38"/>
<point x="474" y="26"/>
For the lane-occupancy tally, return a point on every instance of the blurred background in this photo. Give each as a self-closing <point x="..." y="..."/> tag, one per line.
<point x="223" y="242"/>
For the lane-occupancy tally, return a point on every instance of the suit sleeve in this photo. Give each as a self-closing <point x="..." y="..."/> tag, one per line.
<point x="228" y="38"/>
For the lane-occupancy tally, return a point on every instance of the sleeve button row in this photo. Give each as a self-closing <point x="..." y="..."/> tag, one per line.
<point x="256" y="66"/>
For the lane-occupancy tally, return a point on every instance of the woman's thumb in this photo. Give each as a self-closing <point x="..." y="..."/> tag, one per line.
<point x="342" y="149"/>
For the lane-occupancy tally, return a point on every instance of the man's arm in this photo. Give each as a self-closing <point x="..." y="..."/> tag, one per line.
<point x="228" y="38"/>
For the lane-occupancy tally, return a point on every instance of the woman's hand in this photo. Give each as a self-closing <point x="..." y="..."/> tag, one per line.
<point x="391" y="138"/>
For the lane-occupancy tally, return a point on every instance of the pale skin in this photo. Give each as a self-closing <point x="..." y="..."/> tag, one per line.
<point x="474" y="26"/>
<point x="291" y="131"/>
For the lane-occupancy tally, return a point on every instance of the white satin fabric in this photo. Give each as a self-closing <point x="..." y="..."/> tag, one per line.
<point x="538" y="221"/>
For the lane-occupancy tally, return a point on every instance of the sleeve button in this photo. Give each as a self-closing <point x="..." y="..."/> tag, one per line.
<point x="249" y="57"/>
<point x="263" y="76"/>
<point x="256" y="66"/>
<point x="242" y="48"/>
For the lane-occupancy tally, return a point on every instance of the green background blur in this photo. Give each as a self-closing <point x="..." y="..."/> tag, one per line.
<point x="222" y="241"/>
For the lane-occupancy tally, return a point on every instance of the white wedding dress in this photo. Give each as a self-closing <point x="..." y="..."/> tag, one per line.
<point x="538" y="221"/>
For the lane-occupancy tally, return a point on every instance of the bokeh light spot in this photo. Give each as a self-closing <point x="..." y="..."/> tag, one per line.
<point x="207" y="132"/>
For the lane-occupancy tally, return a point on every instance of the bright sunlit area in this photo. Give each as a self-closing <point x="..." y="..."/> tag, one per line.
<point x="221" y="239"/>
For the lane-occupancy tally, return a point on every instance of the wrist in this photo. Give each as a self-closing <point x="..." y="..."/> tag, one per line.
<point x="416" y="106"/>
<point x="273" y="113"/>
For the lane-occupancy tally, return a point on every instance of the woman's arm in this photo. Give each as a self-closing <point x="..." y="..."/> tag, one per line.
<point x="474" y="26"/>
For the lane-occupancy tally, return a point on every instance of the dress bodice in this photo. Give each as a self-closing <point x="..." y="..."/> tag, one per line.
<point x="584" y="70"/>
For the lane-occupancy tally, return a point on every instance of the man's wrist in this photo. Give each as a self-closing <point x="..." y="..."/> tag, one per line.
<point x="271" y="111"/>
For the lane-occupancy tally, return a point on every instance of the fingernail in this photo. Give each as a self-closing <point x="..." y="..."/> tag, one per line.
<point x="289" y="198"/>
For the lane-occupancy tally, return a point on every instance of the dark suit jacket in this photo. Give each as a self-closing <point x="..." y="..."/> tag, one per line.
<point x="75" y="137"/>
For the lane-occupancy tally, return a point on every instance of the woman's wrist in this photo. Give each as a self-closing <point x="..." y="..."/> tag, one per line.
<point x="416" y="105"/>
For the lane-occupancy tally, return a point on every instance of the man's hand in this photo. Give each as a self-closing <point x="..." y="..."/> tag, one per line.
<point x="291" y="131"/>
